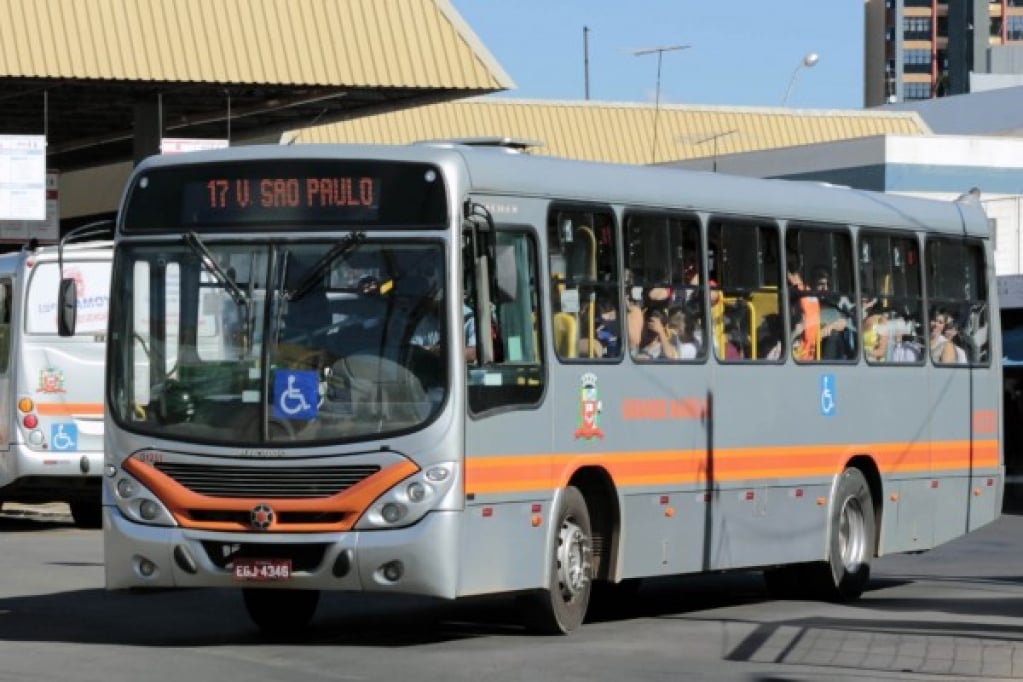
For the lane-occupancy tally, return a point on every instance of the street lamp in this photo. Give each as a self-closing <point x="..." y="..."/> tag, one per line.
<point x="659" y="51"/>
<point x="809" y="61"/>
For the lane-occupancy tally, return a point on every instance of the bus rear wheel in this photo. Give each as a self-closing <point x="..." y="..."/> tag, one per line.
<point x="560" y="608"/>
<point x="280" y="612"/>
<point x="851" y="537"/>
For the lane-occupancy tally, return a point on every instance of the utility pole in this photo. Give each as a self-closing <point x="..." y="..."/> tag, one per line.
<point x="586" y="60"/>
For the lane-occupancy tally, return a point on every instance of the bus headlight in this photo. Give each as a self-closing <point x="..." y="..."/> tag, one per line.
<point x="138" y="504"/>
<point x="410" y="500"/>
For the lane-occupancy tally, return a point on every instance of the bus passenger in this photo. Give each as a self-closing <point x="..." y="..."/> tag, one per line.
<point x="681" y="332"/>
<point x="956" y="341"/>
<point x="806" y="315"/>
<point x="876" y="332"/>
<point x="941" y="347"/>
<point x="833" y="322"/>
<point x="655" y="342"/>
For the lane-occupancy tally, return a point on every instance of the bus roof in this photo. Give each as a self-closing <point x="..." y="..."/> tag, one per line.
<point x="500" y="170"/>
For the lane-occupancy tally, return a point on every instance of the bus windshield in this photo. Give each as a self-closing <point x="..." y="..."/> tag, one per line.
<point x="297" y="343"/>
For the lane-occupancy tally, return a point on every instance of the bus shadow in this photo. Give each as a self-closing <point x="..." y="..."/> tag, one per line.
<point x="869" y="645"/>
<point x="215" y="617"/>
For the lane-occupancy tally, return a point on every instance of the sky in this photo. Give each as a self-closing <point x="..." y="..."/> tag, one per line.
<point x="741" y="52"/>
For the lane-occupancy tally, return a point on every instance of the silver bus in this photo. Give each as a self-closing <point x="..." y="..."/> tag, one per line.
<point x="448" y="370"/>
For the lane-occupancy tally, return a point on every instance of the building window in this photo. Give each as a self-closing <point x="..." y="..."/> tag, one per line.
<point x="1015" y="29"/>
<point x="916" y="28"/>
<point x="916" y="91"/>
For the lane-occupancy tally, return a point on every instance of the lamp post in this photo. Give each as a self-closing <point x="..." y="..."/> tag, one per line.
<point x="809" y="61"/>
<point x="659" y="51"/>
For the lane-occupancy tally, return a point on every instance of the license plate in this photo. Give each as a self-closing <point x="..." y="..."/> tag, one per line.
<point x="262" y="569"/>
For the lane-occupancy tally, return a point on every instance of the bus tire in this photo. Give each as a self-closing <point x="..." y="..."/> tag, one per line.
<point x="851" y="537"/>
<point x="87" y="513"/>
<point x="560" y="609"/>
<point x="280" y="611"/>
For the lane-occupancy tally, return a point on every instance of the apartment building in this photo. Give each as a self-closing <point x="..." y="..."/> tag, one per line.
<point x="922" y="49"/>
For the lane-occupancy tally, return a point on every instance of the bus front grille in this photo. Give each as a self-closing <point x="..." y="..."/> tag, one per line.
<point x="268" y="482"/>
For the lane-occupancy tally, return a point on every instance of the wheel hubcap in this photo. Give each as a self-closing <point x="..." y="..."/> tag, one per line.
<point x="851" y="534"/>
<point x="573" y="560"/>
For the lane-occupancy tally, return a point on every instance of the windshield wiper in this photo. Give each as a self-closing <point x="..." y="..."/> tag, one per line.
<point x="214" y="268"/>
<point x="240" y="298"/>
<point x="315" y="272"/>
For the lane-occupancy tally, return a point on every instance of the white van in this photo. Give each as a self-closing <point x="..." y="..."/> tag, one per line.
<point x="51" y="387"/>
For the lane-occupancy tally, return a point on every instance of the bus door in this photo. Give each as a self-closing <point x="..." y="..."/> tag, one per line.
<point x="964" y="388"/>
<point x="507" y="433"/>
<point x="661" y="397"/>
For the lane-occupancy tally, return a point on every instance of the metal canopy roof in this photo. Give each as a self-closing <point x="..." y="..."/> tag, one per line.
<point x="77" y="71"/>
<point x="620" y="132"/>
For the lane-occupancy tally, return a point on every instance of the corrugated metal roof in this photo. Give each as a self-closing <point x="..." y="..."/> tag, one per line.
<point x="620" y="132"/>
<point x="397" y="43"/>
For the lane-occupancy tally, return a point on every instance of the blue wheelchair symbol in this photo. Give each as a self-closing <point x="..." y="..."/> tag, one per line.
<point x="64" y="437"/>
<point x="296" y="394"/>
<point x="828" y="397"/>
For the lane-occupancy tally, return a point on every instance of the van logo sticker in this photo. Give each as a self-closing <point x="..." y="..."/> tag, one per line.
<point x="51" y="380"/>
<point x="589" y="409"/>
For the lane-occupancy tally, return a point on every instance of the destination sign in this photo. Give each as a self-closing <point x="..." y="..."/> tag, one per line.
<point x="276" y="194"/>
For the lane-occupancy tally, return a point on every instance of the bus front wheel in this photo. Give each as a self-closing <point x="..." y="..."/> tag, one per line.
<point x="562" y="606"/>
<point x="280" y="612"/>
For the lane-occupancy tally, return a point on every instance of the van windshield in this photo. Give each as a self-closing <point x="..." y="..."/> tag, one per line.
<point x="92" y="285"/>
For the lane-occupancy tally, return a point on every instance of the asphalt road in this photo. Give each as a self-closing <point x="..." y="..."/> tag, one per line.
<point x="951" y="614"/>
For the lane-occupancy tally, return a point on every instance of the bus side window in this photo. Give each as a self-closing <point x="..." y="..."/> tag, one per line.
<point x="958" y="301"/>
<point x="745" y="267"/>
<point x="516" y="376"/>
<point x="585" y="302"/>
<point x="891" y="299"/>
<point x="822" y="293"/>
<point x="667" y="287"/>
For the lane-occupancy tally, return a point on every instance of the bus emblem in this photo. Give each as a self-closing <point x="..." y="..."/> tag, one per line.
<point x="261" y="517"/>
<point x="51" y="380"/>
<point x="589" y="409"/>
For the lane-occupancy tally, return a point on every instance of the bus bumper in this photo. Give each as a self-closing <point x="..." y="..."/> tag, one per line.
<point x="420" y="559"/>
<point x="29" y="475"/>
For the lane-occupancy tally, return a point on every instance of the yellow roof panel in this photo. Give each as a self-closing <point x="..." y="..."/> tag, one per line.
<point x="620" y="132"/>
<point x="374" y="43"/>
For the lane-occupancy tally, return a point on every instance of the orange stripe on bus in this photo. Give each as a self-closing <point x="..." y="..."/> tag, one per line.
<point x="68" y="409"/>
<point x="517" y="473"/>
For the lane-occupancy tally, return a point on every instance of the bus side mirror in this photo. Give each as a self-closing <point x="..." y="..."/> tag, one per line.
<point x="67" y="307"/>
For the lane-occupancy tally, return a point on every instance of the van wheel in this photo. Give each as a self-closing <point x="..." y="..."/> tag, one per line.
<point x="87" y="514"/>
<point x="280" y="612"/>
<point x="561" y="607"/>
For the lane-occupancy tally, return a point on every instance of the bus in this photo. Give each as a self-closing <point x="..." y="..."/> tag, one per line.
<point x="1010" y="299"/>
<point x="447" y="369"/>
<point x="51" y="386"/>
